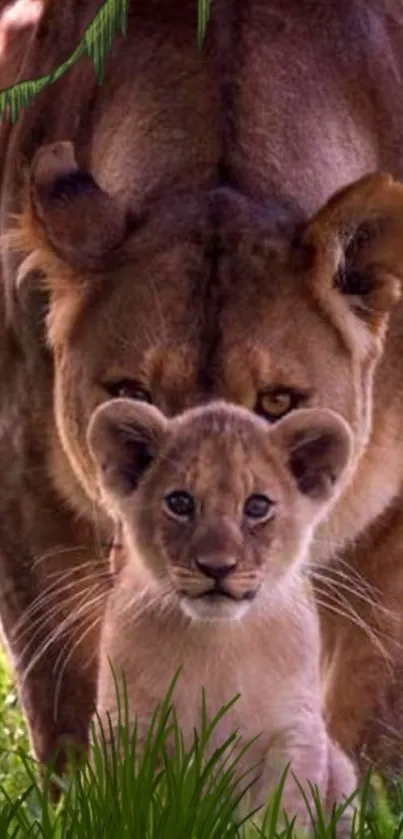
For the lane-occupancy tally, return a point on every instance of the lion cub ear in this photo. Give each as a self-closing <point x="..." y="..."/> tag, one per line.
<point x="317" y="444"/>
<point x="68" y="213"/>
<point x="354" y="250"/>
<point x="124" y="437"/>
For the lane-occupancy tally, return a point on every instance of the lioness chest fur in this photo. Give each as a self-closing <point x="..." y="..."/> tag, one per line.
<point x="216" y="513"/>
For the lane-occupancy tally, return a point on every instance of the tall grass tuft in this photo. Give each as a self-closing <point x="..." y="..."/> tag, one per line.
<point x="131" y="790"/>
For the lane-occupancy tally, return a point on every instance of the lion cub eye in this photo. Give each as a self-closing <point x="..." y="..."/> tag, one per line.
<point x="274" y="404"/>
<point x="181" y="504"/>
<point x="258" y="507"/>
<point x="127" y="389"/>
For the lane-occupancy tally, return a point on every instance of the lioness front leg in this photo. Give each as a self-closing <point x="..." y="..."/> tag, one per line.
<point x="363" y="652"/>
<point x="51" y="622"/>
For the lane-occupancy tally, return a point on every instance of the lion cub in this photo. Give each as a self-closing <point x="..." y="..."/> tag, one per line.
<point x="217" y="511"/>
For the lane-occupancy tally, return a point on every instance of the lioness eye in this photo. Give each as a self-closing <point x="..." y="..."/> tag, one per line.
<point x="127" y="389"/>
<point x="274" y="404"/>
<point x="181" y="504"/>
<point x="258" y="507"/>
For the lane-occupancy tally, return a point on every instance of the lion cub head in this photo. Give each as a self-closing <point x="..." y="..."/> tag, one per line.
<point x="219" y="506"/>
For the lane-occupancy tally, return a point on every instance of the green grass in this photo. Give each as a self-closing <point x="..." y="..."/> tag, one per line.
<point x="13" y="735"/>
<point x="145" y="795"/>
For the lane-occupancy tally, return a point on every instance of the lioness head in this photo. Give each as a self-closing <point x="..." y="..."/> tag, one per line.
<point x="202" y="296"/>
<point x="219" y="504"/>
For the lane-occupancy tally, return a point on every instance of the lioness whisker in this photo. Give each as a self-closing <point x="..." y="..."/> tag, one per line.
<point x="332" y="588"/>
<point x="57" y="551"/>
<point x="352" y="579"/>
<point x="337" y="585"/>
<point x="73" y="646"/>
<point x="334" y="607"/>
<point x="53" y="592"/>
<point x="46" y="618"/>
<point x="350" y="571"/>
<point x="70" y="620"/>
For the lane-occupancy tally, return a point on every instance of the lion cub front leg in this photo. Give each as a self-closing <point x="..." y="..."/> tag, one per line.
<point x="342" y="783"/>
<point x="313" y="761"/>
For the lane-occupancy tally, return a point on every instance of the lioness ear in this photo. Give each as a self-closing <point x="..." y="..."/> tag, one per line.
<point x="82" y="223"/>
<point x="124" y="437"/>
<point x="318" y="445"/>
<point x="355" y="244"/>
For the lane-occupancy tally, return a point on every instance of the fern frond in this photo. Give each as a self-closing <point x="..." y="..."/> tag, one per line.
<point x="99" y="36"/>
<point x="96" y="43"/>
<point x="202" y="20"/>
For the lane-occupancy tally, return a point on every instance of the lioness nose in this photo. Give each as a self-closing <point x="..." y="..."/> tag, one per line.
<point x="216" y="567"/>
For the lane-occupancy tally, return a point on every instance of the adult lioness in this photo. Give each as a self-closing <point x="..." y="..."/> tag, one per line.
<point x="181" y="264"/>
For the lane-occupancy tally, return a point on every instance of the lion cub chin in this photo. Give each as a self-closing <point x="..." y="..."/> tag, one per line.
<point x="216" y="512"/>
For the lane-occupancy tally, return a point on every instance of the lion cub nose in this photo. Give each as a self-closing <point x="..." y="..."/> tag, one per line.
<point x="216" y="567"/>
